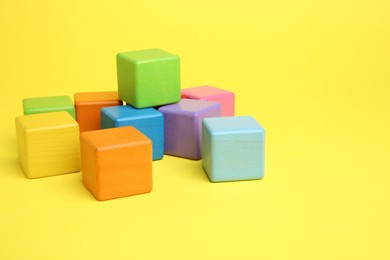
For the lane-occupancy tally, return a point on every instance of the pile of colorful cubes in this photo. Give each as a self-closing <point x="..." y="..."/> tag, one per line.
<point x="113" y="137"/>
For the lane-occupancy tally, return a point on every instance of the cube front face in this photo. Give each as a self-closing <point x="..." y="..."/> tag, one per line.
<point x="124" y="171"/>
<point x="48" y="104"/>
<point x="48" y="144"/>
<point x="233" y="149"/>
<point x="181" y="135"/>
<point x="183" y="122"/>
<point x="88" y="106"/>
<point x="148" y="78"/>
<point x="116" y="162"/>
<point x="148" y="120"/>
<point x="225" y="98"/>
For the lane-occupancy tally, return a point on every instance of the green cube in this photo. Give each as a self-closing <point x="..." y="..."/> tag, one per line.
<point x="148" y="78"/>
<point x="48" y="104"/>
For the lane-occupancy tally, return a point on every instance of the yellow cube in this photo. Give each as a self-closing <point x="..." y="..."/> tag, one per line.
<point x="48" y="144"/>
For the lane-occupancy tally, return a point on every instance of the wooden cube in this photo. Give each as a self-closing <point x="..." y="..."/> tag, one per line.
<point x="116" y="162"/>
<point x="226" y="98"/>
<point x="147" y="120"/>
<point x="88" y="106"/>
<point x="48" y="144"/>
<point x="148" y="78"/>
<point x="183" y="126"/>
<point x="48" y="104"/>
<point x="233" y="148"/>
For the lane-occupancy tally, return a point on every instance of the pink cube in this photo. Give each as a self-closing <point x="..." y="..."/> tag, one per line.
<point x="209" y="93"/>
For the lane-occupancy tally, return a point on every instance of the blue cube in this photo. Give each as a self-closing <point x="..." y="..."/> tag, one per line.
<point x="149" y="121"/>
<point x="233" y="148"/>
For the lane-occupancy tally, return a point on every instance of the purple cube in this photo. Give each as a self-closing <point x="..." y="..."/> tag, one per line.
<point x="183" y="126"/>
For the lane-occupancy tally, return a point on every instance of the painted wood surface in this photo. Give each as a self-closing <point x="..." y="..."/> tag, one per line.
<point x="88" y="106"/>
<point x="38" y="105"/>
<point x="147" y="120"/>
<point x="48" y="144"/>
<point x="226" y="98"/>
<point x="148" y="78"/>
<point x="183" y="126"/>
<point x="233" y="148"/>
<point x="116" y="162"/>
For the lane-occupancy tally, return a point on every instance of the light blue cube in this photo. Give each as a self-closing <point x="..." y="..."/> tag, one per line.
<point x="233" y="148"/>
<point x="149" y="121"/>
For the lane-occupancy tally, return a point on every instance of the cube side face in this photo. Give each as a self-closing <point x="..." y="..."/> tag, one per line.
<point x="183" y="126"/>
<point x="157" y="82"/>
<point x="22" y="147"/>
<point x="206" y="151"/>
<point x="227" y="103"/>
<point x="56" y="151"/>
<point x="107" y="120"/>
<point x="152" y="127"/>
<point x="126" y="76"/>
<point x="237" y="156"/>
<point x="180" y="133"/>
<point x="88" y="165"/>
<point x="88" y="113"/>
<point x="48" y="151"/>
<point x="48" y="104"/>
<point x="212" y="111"/>
<point x="124" y="171"/>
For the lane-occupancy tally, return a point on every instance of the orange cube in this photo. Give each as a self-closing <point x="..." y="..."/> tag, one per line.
<point x="88" y="106"/>
<point x="116" y="162"/>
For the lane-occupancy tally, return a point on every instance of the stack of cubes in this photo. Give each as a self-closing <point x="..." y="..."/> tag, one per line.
<point x="114" y="144"/>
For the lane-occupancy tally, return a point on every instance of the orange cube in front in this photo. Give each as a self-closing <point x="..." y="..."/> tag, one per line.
<point x="116" y="162"/>
<point x="88" y="106"/>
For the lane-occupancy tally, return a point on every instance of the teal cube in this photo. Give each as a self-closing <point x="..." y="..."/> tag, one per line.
<point x="233" y="148"/>
<point x="148" y="78"/>
<point x="48" y="104"/>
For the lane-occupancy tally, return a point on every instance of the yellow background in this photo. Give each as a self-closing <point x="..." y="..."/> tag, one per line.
<point x="315" y="74"/>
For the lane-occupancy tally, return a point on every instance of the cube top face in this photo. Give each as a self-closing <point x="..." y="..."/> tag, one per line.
<point x="46" y="121"/>
<point x="125" y="113"/>
<point x="148" y="78"/>
<point x="96" y="96"/>
<point x="107" y="139"/>
<point x="189" y="107"/>
<point x="234" y="124"/>
<point x="48" y="104"/>
<point x="203" y="92"/>
<point x="145" y="56"/>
